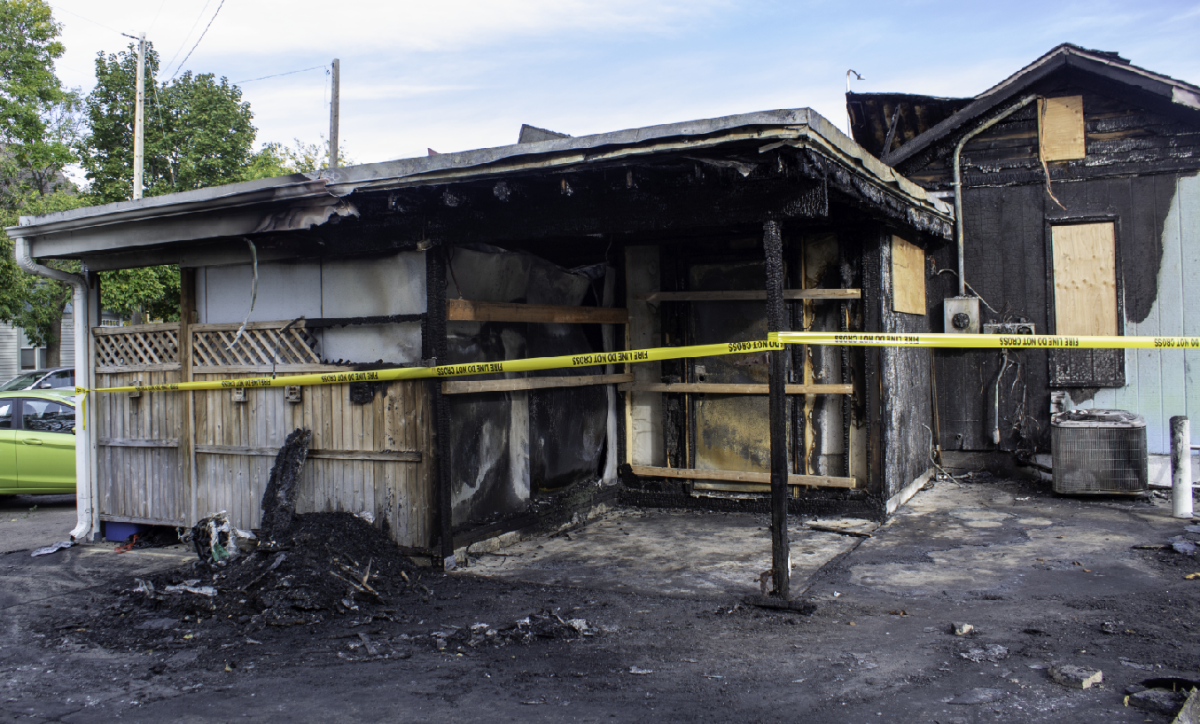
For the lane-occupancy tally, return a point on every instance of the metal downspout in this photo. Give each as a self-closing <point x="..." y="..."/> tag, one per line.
<point x="958" y="212"/>
<point x="85" y="495"/>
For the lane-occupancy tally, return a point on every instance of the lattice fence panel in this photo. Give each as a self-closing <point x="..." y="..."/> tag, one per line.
<point x="255" y="348"/>
<point x="138" y="348"/>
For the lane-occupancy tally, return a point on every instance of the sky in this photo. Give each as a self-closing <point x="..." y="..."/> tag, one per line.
<point x="453" y="75"/>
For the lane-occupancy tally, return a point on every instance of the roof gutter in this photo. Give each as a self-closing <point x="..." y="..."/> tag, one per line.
<point x="958" y="212"/>
<point x="88" y="522"/>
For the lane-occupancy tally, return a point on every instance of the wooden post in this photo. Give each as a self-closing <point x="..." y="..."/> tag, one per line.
<point x="776" y="322"/>
<point x="335" y="87"/>
<point x="187" y="427"/>
<point x="139" y="122"/>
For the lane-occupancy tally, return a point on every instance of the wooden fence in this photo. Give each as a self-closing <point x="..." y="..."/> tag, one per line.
<point x="173" y="457"/>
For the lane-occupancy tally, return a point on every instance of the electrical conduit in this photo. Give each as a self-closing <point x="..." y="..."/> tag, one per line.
<point x="958" y="211"/>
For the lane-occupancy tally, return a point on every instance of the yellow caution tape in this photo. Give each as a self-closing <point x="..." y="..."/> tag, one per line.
<point x="473" y="368"/>
<point x="775" y="341"/>
<point x="983" y="341"/>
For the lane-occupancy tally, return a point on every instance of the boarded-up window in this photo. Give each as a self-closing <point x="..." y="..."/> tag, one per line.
<point x="1060" y="128"/>
<point x="908" y="277"/>
<point x="1085" y="304"/>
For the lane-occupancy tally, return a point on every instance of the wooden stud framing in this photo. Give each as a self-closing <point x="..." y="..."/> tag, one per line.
<point x="403" y="456"/>
<point x="762" y="481"/>
<point x="462" y="310"/>
<point x="462" y="387"/>
<point x="718" y="388"/>
<point x="749" y="295"/>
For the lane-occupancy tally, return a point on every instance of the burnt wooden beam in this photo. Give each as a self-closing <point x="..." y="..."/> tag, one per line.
<point x="324" y="322"/>
<point x="434" y="345"/>
<point x="675" y="194"/>
<point x="776" y="311"/>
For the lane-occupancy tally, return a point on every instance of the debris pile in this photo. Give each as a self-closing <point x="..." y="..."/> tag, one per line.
<point x="328" y="563"/>
<point x="300" y="570"/>
<point x="991" y="652"/>
<point x="541" y="625"/>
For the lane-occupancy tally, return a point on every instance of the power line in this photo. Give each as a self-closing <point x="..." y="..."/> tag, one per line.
<point x="155" y="20"/>
<point x="290" y="72"/>
<point x="93" y="22"/>
<point x="183" y="44"/>
<point x="206" y="27"/>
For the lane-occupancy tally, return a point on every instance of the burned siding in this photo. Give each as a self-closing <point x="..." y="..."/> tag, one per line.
<point x="898" y="381"/>
<point x="1007" y="243"/>
<point x="1125" y="135"/>
<point x="1137" y="148"/>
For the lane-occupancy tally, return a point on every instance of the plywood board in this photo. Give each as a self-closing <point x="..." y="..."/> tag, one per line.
<point x="1085" y="281"/>
<point x="1060" y="128"/>
<point x="908" y="277"/>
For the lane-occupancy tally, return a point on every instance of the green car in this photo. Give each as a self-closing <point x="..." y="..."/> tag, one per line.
<point x="37" y="442"/>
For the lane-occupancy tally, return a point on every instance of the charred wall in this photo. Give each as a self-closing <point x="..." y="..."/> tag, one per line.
<point x="898" y="380"/>
<point x="1129" y="177"/>
<point x="508" y="446"/>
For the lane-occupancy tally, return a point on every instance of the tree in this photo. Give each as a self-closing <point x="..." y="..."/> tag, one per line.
<point x="198" y="133"/>
<point x="39" y="123"/>
<point x="276" y="159"/>
<point x="36" y="304"/>
<point x="38" y="119"/>
<point x="198" y="130"/>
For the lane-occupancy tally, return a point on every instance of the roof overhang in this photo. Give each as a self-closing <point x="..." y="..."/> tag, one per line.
<point x="300" y="202"/>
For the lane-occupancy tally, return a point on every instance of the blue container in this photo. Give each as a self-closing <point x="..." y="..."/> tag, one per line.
<point x="118" y="532"/>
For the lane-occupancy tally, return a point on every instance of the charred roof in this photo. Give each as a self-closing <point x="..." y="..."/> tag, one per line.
<point x="1151" y="90"/>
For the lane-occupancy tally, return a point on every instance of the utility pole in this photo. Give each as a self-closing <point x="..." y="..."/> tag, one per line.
<point x="335" y="83"/>
<point x="139" y="120"/>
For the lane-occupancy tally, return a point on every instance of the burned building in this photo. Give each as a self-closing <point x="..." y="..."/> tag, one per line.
<point x="644" y="238"/>
<point x="1080" y="214"/>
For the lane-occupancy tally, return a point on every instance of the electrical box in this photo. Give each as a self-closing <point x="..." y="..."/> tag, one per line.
<point x="962" y="315"/>
<point x="1009" y="328"/>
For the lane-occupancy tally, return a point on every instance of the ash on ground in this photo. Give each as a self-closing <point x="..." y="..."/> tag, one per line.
<point x="330" y="570"/>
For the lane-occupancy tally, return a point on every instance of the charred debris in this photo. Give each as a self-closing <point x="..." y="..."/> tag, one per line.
<point x="297" y="571"/>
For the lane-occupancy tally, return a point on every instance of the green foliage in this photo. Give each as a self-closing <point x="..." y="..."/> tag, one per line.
<point x="150" y="292"/>
<point x="33" y="303"/>
<point x="276" y="159"/>
<point x="38" y="118"/>
<point x="198" y="131"/>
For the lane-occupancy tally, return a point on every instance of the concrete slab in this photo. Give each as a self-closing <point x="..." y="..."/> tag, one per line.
<point x="681" y="554"/>
<point x="971" y="540"/>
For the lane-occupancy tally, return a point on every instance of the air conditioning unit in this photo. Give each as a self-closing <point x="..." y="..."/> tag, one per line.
<point x="1099" y="452"/>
